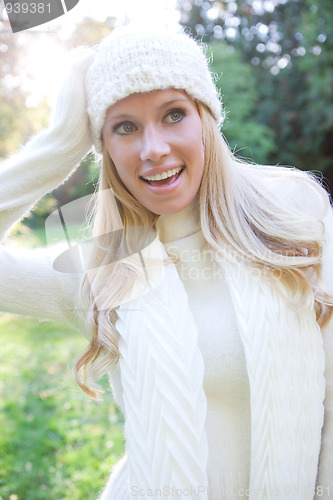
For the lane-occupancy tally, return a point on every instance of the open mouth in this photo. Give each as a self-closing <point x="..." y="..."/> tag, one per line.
<point x="165" y="178"/>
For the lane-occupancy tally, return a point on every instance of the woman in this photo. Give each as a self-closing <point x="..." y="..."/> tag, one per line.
<point x="211" y="331"/>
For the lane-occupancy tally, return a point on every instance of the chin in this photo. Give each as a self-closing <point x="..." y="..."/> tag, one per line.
<point x="171" y="209"/>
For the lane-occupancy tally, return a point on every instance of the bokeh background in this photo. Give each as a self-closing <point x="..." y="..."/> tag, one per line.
<point x="273" y="61"/>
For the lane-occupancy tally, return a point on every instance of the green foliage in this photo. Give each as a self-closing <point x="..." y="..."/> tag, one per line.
<point x="317" y="68"/>
<point x="55" y="442"/>
<point x="81" y="183"/>
<point x="240" y="95"/>
<point x="290" y="50"/>
<point x="17" y="123"/>
<point x="296" y="91"/>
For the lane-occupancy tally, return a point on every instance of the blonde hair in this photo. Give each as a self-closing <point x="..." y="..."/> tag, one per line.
<point x="243" y="217"/>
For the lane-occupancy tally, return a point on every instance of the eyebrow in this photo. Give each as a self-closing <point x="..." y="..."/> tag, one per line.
<point x="171" y="101"/>
<point x="125" y="116"/>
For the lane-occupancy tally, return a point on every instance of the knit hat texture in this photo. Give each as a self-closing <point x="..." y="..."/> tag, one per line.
<point x="132" y="60"/>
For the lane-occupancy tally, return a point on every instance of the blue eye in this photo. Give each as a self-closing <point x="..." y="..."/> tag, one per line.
<point x="175" y="116"/>
<point x="124" y="128"/>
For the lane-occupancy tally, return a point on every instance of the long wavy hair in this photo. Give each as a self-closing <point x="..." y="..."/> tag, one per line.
<point x="245" y="215"/>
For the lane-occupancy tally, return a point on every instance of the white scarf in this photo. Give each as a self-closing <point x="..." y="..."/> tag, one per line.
<point x="165" y="405"/>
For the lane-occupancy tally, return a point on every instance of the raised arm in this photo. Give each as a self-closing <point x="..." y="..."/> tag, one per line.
<point x="51" y="156"/>
<point x="28" y="283"/>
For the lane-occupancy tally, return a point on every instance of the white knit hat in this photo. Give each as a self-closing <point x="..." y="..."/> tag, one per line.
<point x="132" y="60"/>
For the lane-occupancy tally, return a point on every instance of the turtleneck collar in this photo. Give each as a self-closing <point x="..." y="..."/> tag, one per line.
<point x="179" y="225"/>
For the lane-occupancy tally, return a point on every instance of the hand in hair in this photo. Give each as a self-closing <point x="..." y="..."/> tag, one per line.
<point x="69" y="121"/>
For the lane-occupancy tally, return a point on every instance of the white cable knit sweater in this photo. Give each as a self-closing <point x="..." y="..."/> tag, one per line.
<point x="261" y="451"/>
<point x="226" y="385"/>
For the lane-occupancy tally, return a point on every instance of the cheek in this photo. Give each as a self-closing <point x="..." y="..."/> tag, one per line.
<point x="196" y="129"/>
<point x="113" y="151"/>
<point x="199" y="149"/>
<point x="119" y="158"/>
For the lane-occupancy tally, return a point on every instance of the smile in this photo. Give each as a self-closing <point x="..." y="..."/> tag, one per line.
<point x="164" y="175"/>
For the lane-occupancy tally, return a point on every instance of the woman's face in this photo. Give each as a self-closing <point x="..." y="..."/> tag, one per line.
<point x="155" y="141"/>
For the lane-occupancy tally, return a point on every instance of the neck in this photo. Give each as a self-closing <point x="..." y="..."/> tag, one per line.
<point x="179" y="225"/>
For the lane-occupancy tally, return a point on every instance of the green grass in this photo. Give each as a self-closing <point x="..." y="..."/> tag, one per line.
<point x="55" y="442"/>
<point x="22" y="235"/>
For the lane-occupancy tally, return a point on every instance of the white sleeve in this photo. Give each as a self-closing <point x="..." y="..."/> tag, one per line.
<point x="28" y="283"/>
<point x="327" y="270"/>
<point x="325" y="470"/>
<point x="30" y="286"/>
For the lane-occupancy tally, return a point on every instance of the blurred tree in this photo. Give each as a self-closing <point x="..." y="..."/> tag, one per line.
<point x="17" y="121"/>
<point x="89" y="31"/>
<point x="317" y="67"/>
<point x="289" y="42"/>
<point x="240" y="95"/>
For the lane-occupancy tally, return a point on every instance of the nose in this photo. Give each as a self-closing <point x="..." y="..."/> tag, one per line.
<point x="153" y="144"/>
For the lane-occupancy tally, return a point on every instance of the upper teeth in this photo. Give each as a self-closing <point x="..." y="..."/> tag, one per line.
<point x="159" y="177"/>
